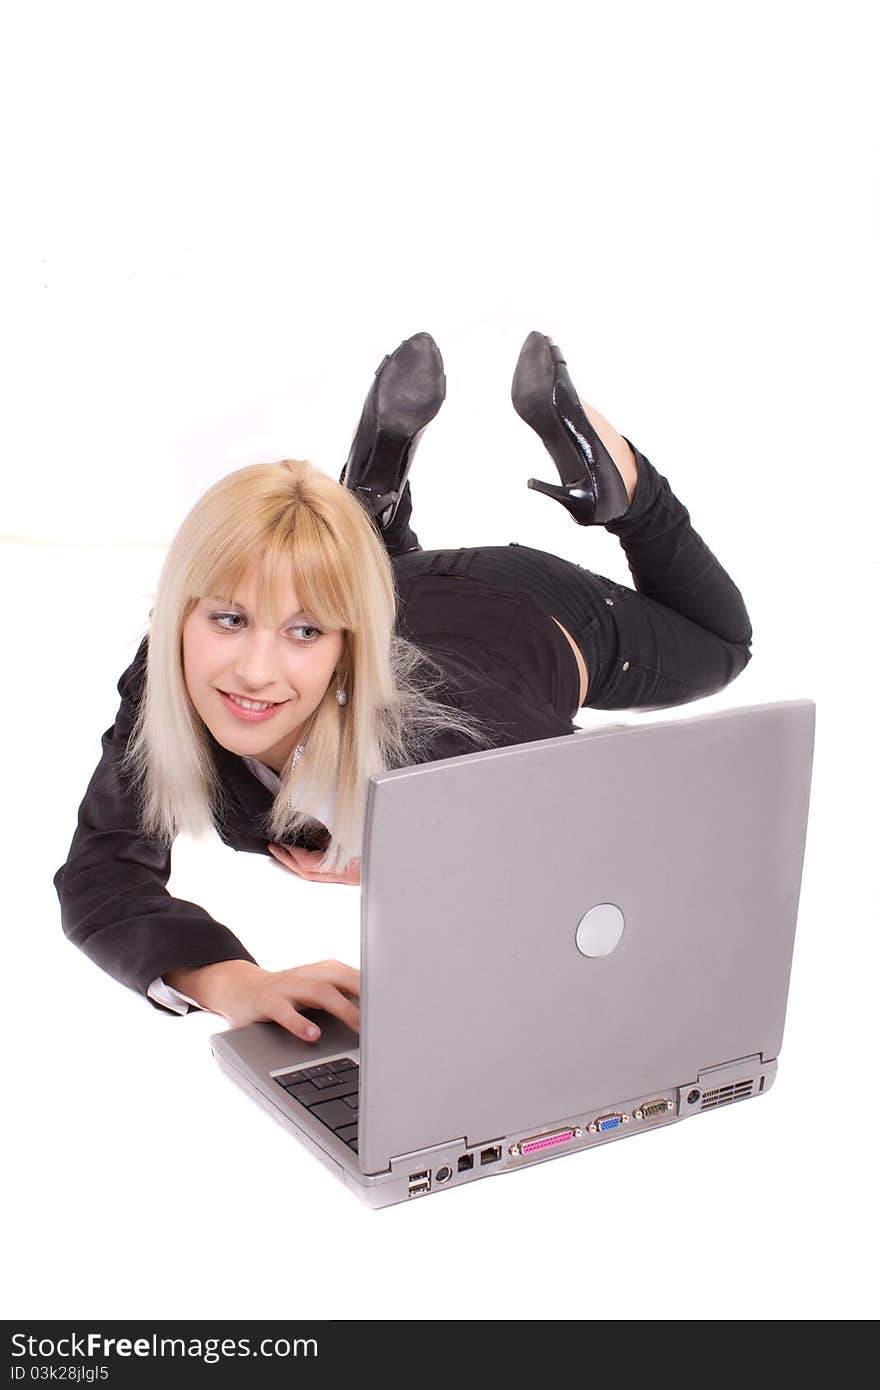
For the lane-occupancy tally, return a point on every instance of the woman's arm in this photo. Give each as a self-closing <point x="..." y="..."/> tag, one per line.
<point x="114" y="903"/>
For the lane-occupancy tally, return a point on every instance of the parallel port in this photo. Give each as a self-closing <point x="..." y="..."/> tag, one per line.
<point x="545" y="1141"/>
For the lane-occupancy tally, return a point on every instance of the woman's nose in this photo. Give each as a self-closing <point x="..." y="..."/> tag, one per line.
<point x="256" y="662"/>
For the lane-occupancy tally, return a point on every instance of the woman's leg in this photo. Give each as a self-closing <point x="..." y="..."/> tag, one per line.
<point x="408" y="389"/>
<point x="618" y="447"/>
<point x="684" y="631"/>
<point x="399" y="537"/>
<point x="668" y="560"/>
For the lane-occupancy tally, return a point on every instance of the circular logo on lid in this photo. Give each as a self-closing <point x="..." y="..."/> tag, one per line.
<point x="600" y="930"/>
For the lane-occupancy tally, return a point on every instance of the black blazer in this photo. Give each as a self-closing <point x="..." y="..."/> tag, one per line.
<point x="112" y="888"/>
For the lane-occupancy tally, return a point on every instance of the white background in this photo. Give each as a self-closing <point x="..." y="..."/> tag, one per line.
<point x="219" y="218"/>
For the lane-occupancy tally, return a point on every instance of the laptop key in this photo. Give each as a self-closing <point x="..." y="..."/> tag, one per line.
<point x="351" y="1100"/>
<point x="348" y="1132"/>
<point x="324" y="1081"/>
<point x="340" y="1092"/>
<point x="342" y="1064"/>
<point x="334" y="1113"/>
<point x="304" y="1092"/>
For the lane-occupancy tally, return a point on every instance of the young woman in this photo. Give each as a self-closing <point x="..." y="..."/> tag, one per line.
<point x="301" y="641"/>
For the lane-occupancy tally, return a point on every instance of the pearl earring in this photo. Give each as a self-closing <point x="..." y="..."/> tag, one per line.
<point x="341" y="696"/>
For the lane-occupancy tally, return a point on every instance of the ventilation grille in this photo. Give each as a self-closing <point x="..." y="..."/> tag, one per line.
<point x="723" y="1095"/>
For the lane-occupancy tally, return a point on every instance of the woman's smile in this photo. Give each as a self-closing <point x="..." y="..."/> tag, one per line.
<point x="256" y="711"/>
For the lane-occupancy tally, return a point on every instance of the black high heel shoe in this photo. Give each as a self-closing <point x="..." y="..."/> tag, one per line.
<point x="408" y="390"/>
<point x="543" y="394"/>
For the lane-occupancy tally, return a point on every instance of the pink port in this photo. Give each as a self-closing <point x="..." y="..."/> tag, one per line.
<point x="547" y="1142"/>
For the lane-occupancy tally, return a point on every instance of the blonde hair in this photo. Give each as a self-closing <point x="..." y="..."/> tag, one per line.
<point x="296" y="525"/>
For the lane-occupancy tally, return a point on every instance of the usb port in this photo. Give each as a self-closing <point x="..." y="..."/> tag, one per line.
<point x="417" y="1188"/>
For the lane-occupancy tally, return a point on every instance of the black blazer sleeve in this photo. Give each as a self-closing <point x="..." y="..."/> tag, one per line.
<point x="114" y="903"/>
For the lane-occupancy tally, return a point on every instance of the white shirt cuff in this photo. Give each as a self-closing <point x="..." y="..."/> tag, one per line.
<point x="171" y="998"/>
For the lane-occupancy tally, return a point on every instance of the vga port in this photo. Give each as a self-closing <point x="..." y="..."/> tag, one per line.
<point x="604" y="1123"/>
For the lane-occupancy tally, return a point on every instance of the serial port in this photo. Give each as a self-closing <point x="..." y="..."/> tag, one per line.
<point x="652" y="1108"/>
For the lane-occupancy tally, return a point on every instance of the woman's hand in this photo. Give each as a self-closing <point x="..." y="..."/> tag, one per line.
<point x="245" y="993"/>
<point x="303" y="861"/>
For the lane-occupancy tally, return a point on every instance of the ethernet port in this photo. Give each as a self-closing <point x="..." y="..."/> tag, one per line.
<point x="490" y="1155"/>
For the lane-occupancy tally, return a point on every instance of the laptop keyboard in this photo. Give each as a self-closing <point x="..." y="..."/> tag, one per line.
<point x="330" y="1093"/>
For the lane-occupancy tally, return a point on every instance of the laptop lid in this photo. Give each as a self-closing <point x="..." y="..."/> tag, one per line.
<point x="495" y="997"/>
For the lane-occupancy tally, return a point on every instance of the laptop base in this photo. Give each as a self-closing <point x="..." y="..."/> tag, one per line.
<point x="445" y="1166"/>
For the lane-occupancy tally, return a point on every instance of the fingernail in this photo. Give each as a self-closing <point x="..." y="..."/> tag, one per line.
<point x="311" y="1032"/>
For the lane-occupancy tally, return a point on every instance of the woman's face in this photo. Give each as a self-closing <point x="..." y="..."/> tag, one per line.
<point x="226" y="653"/>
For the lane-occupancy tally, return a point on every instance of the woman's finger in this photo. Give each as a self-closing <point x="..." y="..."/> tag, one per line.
<point x="332" y="1001"/>
<point x="346" y="977"/>
<point x="304" y="862"/>
<point x="334" y="972"/>
<point x="307" y="860"/>
<point x="289" y="1017"/>
<point x="281" y="857"/>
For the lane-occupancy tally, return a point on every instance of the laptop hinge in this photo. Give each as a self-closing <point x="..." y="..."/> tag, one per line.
<point x="429" y="1149"/>
<point x="729" y="1071"/>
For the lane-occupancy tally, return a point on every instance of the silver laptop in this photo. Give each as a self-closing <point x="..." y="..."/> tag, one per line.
<point x="562" y="943"/>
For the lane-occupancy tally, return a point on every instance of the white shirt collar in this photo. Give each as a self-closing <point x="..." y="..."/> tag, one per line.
<point x="269" y="777"/>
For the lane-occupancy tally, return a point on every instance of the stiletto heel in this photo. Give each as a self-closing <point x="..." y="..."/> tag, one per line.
<point x="543" y="395"/>
<point x="408" y="390"/>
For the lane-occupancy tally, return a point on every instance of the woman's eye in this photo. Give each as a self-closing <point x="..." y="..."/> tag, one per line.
<point x="223" y="618"/>
<point x="229" y="622"/>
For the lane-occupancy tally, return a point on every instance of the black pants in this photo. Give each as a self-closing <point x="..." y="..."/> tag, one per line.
<point x="683" y="632"/>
